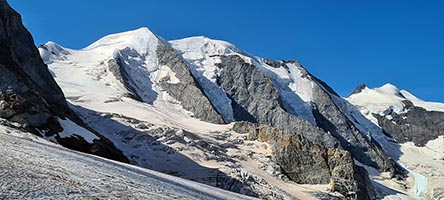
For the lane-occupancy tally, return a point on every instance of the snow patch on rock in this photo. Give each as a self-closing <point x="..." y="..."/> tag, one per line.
<point x="71" y="129"/>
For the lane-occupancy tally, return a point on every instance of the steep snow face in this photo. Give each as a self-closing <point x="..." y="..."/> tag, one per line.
<point x="61" y="173"/>
<point x="203" y="54"/>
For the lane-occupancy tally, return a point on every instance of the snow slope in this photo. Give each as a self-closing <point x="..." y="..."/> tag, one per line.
<point x="62" y="173"/>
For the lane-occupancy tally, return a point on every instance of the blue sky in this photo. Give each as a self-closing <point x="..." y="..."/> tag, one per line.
<point x="345" y="43"/>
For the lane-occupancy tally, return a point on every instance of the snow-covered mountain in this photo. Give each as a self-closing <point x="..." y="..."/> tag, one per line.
<point x="416" y="125"/>
<point x="136" y="88"/>
<point x="157" y="131"/>
<point x="207" y="111"/>
<point x="400" y="114"/>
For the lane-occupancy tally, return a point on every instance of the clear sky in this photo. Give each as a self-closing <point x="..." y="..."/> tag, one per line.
<point x="344" y="43"/>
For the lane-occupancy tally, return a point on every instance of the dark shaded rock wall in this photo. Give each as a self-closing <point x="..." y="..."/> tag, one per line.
<point x="416" y="125"/>
<point x="332" y="119"/>
<point x="28" y="93"/>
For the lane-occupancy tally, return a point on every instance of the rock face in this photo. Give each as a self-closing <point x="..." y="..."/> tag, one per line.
<point x="187" y="91"/>
<point x="332" y="119"/>
<point x="28" y="93"/>
<point x="416" y="125"/>
<point x="116" y="67"/>
<point x="308" y="163"/>
<point x="255" y="99"/>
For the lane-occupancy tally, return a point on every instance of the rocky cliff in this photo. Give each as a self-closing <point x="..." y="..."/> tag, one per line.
<point x="29" y="95"/>
<point x="308" y="163"/>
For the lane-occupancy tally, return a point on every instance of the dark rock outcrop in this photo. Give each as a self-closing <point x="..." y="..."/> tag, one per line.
<point x="416" y="125"/>
<point x="187" y="91"/>
<point x="308" y="163"/>
<point x="115" y="66"/>
<point x="255" y="99"/>
<point x="359" y="89"/>
<point x="28" y="93"/>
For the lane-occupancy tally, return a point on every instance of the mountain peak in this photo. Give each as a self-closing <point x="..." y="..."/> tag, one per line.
<point x="140" y="39"/>
<point x="389" y="89"/>
<point x="206" y="45"/>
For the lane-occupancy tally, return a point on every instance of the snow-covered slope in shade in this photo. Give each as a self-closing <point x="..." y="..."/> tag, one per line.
<point x="203" y="55"/>
<point x="62" y="173"/>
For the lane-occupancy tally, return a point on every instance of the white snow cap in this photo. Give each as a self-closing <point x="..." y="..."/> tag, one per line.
<point x="140" y="40"/>
<point x="378" y="100"/>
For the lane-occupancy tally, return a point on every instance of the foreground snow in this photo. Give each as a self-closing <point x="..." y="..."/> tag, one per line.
<point x="32" y="168"/>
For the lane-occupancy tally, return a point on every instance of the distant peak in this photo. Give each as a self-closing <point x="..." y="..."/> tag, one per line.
<point x="204" y="40"/>
<point x="389" y="88"/>
<point x="389" y="85"/>
<point x="205" y="45"/>
<point x="52" y="45"/>
<point x="359" y="89"/>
